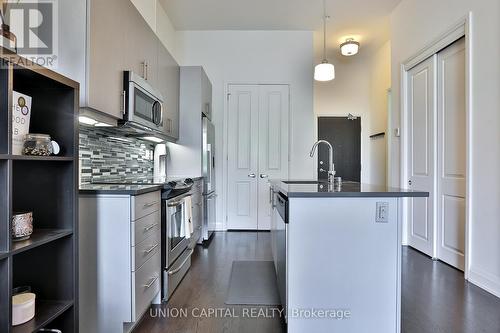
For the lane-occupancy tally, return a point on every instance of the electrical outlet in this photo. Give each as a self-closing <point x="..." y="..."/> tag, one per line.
<point x="382" y="212"/>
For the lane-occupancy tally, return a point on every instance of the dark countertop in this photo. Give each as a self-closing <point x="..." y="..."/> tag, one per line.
<point x="308" y="189"/>
<point x="118" y="189"/>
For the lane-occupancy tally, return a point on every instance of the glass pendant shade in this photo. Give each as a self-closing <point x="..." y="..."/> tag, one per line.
<point x="324" y="72"/>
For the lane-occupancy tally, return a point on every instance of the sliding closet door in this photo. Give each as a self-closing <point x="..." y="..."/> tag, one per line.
<point x="421" y="154"/>
<point x="451" y="155"/>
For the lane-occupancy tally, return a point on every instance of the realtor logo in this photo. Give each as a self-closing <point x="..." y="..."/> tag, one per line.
<point x="34" y="25"/>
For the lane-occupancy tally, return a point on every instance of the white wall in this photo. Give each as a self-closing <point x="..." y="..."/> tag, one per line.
<point x="257" y="57"/>
<point x="415" y="24"/>
<point x="360" y="87"/>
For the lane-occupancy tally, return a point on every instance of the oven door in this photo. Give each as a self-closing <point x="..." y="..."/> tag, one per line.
<point x="176" y="241"/>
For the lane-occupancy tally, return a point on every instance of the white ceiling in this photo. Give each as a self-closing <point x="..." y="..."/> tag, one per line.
<point x="365" y="19"/>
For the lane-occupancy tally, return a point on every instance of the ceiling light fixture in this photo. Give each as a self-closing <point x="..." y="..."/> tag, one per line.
<point x="324" y="71"/>
<point x="349" y="48"/>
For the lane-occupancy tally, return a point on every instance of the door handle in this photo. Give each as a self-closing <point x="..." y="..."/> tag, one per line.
<point x="263" y="175"/>
<point x="410" y="182"/>
<point x="252" y="175"/>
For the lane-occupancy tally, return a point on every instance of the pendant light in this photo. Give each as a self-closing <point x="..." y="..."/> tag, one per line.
<point x="324" y="71"/>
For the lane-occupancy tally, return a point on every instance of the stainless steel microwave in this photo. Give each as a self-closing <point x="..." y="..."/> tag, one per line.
<point x="143" y="104"/>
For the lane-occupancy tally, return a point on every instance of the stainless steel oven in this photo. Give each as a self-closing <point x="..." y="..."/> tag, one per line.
<point x="176" y="256"/>
<point x="143" y="104"/>
<point x="176" y="241"/>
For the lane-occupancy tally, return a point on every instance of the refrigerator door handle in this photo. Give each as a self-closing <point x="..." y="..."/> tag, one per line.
<point x="209" y="158"/>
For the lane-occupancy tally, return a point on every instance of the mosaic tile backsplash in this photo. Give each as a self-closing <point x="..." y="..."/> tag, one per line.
<point x="107" y="156"/>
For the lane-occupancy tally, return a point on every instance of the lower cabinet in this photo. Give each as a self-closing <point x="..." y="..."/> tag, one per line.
<point x="197" y="210"/>
<point x="120" y="260"/>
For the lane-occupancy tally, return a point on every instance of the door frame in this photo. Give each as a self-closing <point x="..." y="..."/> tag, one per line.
<point x="342" y="115"/>
<point x="461" y="29"/>
<point x="225" y="150"/>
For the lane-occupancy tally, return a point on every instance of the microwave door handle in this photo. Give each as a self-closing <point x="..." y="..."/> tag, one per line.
<point x="161" y="114"/>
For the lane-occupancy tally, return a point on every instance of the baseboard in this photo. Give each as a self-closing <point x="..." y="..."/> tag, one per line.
<point x="485" y="281"/>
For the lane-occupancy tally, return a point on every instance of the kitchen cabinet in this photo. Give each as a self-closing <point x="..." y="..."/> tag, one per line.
<point x="206" y="94"/>
<point x="197" y="209"/>
<point x="168" y="84"/>
<point x="195" y="93"/>
<point x="120" y="259"/>
<point x="118" y="39"/>
<point x="102" y="88"/>
<point x="141" y="46"/>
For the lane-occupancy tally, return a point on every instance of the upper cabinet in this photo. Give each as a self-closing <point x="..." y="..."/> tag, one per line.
<point x="118" y="39"/>
<point x="168" y="84"/>
<point x="206" y="94"/>
<point x="103" y="89"/>
<point x="141" y="46"/>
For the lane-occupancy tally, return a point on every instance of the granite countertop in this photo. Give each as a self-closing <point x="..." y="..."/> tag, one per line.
<point x="124" y="189"/>
<point x="310" y="188"/>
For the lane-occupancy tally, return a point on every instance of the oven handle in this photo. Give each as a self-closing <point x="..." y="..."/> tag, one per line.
<point x="172" y="272"/>
<point x="175" y="203"/>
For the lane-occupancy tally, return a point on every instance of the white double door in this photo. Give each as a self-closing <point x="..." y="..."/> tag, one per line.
<point x="437" y="155"/>
<point x="257" y="151"/>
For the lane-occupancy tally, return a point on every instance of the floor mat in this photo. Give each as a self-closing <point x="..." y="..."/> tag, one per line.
<point x="253" y="283"/>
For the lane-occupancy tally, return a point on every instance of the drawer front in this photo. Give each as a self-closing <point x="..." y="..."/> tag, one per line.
<point x="145" y="204"/>
<point x="147" y="284"/>
<point x="145" y="250"/>
<point x="145" y="227"/>
<point x="178" y="270"/>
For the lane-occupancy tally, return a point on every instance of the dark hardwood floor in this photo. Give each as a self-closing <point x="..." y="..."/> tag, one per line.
<point x="436" y="298"/>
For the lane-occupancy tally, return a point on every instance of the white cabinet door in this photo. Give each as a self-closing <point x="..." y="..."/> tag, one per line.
<point x="168" y="84"/>
<point x="105" y="59"/>
<point x="141" y="45"/>
<point x="273" y="144"/>
<point x="451" y="155"/>
<point x="243" y="154"/>
<point x="257" y="151"/>
<point x="421" y="159"/>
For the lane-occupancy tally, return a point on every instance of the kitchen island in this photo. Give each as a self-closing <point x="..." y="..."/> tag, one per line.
<point x="337" y="254"/>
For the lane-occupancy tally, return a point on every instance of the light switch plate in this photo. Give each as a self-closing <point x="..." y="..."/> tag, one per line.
<point x="382" y="212"/>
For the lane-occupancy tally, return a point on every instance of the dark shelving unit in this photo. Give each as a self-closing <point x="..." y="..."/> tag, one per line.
<point x="46" y="186"/>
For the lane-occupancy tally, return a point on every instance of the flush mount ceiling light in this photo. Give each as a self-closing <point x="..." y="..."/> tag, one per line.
<point x="324" y="71"/>
<point x="349" y="48"/>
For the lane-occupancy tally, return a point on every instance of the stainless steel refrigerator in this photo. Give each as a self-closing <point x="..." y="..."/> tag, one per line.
<point x="209" y="192"/>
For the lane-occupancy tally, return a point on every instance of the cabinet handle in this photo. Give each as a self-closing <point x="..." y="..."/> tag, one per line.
<point x="147" y="286"/>
<point x="151" y="204"/>
<point x="124" y="101"/>
<point x="263" y="175"/>
<point x="150" y="227"/>
<point x="145" y="70"/>
<point x="151" y="249"/>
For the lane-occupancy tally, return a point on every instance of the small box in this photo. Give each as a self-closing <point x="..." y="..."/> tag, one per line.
<point x="21" y="115"/>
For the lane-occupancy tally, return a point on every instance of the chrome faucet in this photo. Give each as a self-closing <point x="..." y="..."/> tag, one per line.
<point x="331" y="171"/>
